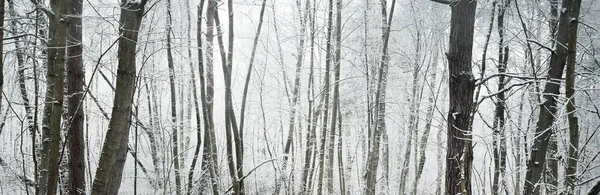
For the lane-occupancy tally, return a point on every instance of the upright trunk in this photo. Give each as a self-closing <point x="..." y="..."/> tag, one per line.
<point x="194" y="91"/>
<point x="54" y="97"/>
<point x="379" y="124"/>
<point x="209" y="154"/>
<point x="114" y="151"/>
<point x="250" y="68"/>
<point x="459" y="154"/>
<point x="2" y="7"/>
<point x="233" y="136"/>
<point x="413" y="121"/>
<point x="336" y="97"/>
<point x="573" y="151"/>
<point x="174" y="133"/>
<point x="433" y="97"/>
<point x="499" y="140"/>
<point x="536" y="162"/>
<point x="75" y="79"/>
<point x="296" y="90"/>
<point x="307" y="168"/>
<point x="326" y="81"/>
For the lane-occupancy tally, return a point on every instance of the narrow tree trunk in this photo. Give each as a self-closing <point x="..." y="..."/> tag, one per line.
<point x="296" y="89"/>
<point x="174" y="133"/>
<point x="152" y="138"/>
<point x="112" y="158"/>
<point x="209" y="154"/>
<point x="51" y="136"/>
<point x="75" y="79"/>
<point x="326" y="81"/>
<point x="336" y="95"/>
<point x="233" y="136"/>
<point x="433" y="97"/>
<point x="413" y="121"/>
<point x="194" y="91"/>
<point x="459" y="154"/>
<point x="307" y="169"/>
<point x="379" y="124"/>
<point x="548" y="109"/>
<point x="499" y="140"/>
<point x="573" y="149"/>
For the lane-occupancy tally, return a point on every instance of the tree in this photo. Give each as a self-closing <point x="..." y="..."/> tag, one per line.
<point x="573" y="151"/>
<point x="54" y="97"/>
<point x="114" y="150"/>
<point x="547" y="116"/>
<point x="459" y="154"/>
<point x="174" y="133"/>
<point x="379" y="125"/>
<point x="75" y="79"/>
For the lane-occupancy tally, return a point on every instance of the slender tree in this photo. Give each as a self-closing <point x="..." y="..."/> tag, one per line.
<point x="51" y="135"/>
<point x="547" y="116"/>
<point x="573" y="151"/>
<point x="499" y="140"/>
<point x="379" y="123"/>
<point x="114" y="150"/>
<point x="174" y="133"/>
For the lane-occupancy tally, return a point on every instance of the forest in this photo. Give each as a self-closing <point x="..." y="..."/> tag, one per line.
<point x="300" y="97"/>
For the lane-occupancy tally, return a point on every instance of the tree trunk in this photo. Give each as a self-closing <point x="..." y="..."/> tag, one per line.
<point x="499" y="139"/>
<point x="536" y="163"/>
<point x="194" y="91"/>
<point x="174" y="133"/>
<point x="54" y="98"/>
<point x="573" y="149"/>
<point x="413" y="121"/>
<point x="209" y="151"/>
<point x="433" y="97"/>
<point x="114" y="151"/>
<point x="379" y="124"/>
<point x="326" y="81"/>
<point x="75" y="79"/>
<point x="336" y="96"/>
<point x="233" y="136"/>
<point x="311" y="140"/>
<point x="459" y="154"/>
<point x="296" y="90"/>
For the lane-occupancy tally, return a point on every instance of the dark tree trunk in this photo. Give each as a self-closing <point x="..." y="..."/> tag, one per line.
<point x="114" y="151"/>
<point x="75" y="79"/>
<point x="459" y="154"/>
<point x="537" y="160"/>
<point x="54" y="97"/>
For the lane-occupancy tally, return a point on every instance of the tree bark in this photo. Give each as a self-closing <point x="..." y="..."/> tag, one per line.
<point x="499" y="139"/>
<point x="573" y="148"/>
<point x="174" y="133"/>
<point x="459" y="154"/>
<point x="194" y="91"/>
<point x="543" y="132"/>
<point x="209" y="151"/>
<point x="233" y="136"/>
<point x="112" y="158"/>
<point x="75" y="80"/>
<point x="379" y="124"/>
<point x="51" y="121"/>
<point x="326" y="81"/>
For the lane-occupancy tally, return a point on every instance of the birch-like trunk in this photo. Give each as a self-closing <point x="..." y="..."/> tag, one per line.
<point x="379" y="117"/>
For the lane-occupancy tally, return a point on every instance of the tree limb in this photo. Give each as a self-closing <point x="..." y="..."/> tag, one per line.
<point x="447" y="2"/>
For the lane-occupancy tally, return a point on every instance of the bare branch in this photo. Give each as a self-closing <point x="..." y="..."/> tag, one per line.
<point x="447" y="2"/>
